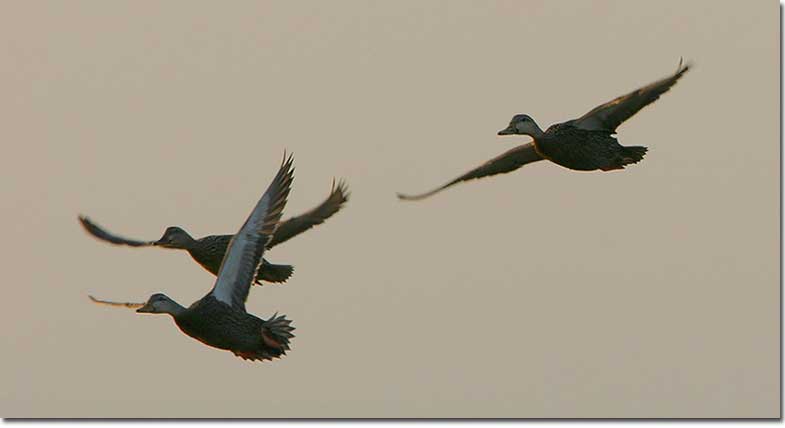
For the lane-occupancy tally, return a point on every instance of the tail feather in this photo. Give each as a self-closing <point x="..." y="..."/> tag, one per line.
<point x="270" y="272"/>
<point x="633" y="154"/>
<point x="277" y="331"/>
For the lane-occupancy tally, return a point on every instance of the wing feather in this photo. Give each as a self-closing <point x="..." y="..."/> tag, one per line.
<point x="244" y="254"/>
<point x="506" y="162"/>
<point x="116" y="304"/>
<point x="296" y="225"/>
<point x="104" y="235"/>
<point x="609" y="116"/>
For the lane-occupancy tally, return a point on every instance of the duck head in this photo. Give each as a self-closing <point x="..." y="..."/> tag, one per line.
<point x="160" y="303"/>
<point x="522" y="124"/>
<point x="174" y="237"/>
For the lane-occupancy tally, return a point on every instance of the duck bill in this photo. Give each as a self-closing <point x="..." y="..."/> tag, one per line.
<point x="161" y="243"/>
<point x="146" y="309"/>
<point x="507" y="131"/>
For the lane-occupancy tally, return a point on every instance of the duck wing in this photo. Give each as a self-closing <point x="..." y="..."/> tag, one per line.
<point x="102" y="234"/>
<point x="112" y="303"/>
<point x="608" y="116"/>
<point x="296" y="225"/>
<point x="244" y="254"/>
<point x="506" y="162"/>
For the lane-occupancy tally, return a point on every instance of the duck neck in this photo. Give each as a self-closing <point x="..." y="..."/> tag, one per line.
<point x="188" y="244"/>
<point x="535" y="131"/>
<point x="174" y="309"/>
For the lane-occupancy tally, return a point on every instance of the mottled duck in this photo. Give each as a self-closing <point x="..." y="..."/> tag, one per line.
<point x="584" y="144"/>
<point x="209" y="251"/>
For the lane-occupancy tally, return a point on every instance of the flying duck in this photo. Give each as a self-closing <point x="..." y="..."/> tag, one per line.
<point x="219" y="319"/>
<point x="584" y="144"/>
<point x="209" y="251"/>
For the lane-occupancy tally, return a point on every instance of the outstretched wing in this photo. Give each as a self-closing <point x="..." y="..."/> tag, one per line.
<point x="244" y="254"/>
<point x="103" y="235"/>
<point x="120" y="304"/>
<point x="299" y="224"/>
<point x="506" y="162"/>
<point x="609" y="116"/>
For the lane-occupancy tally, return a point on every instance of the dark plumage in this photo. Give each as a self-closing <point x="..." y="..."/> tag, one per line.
<point x="208" y="320"/>
<point x="209" y="251"/>
<point x="584" y="144"/>
<point x="585" y="150"/>
<point x="219" y="319"/>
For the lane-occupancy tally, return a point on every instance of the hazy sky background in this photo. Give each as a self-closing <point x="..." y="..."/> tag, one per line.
<point x="648" y="292"/>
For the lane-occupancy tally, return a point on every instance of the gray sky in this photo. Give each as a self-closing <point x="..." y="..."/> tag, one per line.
<point x="648" y="292"/>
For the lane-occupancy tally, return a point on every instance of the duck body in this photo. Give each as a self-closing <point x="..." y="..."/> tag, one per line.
<point x="585" y="149"/>
<point x="221" y="326"/>
<point x="209" y="253"/>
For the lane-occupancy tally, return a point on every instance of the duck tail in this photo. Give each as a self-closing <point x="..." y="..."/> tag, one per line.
<point x="274" y="273"/>
<point x="276" y="333"/>
<point x="633" y="154"/>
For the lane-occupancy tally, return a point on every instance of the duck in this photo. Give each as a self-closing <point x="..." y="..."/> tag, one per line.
<point x="209" y="251"/>
<point x="584" y="144"/>
<point x="220" y="319"/>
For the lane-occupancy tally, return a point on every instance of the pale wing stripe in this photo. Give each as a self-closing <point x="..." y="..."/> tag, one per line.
<point x="244" y="253"/>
